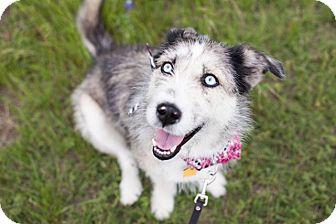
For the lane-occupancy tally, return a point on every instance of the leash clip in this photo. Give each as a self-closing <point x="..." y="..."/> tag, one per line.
<point x="202" y="196"/>
<point x="201" y="199"/>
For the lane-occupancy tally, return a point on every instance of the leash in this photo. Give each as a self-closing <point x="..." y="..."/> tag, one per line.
<point x="201" y="199"/>
<point x="196" y="212"/>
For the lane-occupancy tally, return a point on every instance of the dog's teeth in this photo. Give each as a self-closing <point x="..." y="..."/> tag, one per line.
<point x="163" y="152"/>
<point x="173" y="149"/>
<point x="154" y="142"/>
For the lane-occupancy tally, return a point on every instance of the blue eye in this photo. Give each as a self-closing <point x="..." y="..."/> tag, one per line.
<point x="209" y="80"/>
<point x="167" y="68"/>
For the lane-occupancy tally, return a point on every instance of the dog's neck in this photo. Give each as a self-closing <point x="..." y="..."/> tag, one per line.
<point x="231" y="151"/>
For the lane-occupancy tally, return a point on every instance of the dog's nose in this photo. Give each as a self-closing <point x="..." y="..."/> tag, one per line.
<point x="168" y="114"/>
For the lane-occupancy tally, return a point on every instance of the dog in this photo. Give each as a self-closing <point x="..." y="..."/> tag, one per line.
<point x="165" y="109"/>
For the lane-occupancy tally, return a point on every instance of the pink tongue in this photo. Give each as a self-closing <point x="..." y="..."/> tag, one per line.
<point x="165" y="140"/>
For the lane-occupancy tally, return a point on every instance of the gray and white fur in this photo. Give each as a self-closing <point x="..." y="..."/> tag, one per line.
<point x="122" y="77"/>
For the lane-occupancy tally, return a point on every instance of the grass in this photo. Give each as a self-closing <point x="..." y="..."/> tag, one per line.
<point x="48" y="174"/>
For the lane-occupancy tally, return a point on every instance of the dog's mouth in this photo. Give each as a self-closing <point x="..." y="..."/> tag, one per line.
<point x="166" y="146"/>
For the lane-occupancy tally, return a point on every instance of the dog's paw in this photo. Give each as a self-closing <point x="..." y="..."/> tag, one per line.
<point x="217" y="188"/>
<point x="162" y="207"/>
<point x="130" y="190"/>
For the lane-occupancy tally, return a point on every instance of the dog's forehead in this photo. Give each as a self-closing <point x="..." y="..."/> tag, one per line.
<point x="191" y="51"/>
<point x="206" y="53"/>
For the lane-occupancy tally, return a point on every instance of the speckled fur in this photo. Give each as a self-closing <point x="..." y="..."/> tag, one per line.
<point x="122" y="76"/>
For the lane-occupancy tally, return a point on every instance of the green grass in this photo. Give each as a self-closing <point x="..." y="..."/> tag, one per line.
<point x="48" y="174"/>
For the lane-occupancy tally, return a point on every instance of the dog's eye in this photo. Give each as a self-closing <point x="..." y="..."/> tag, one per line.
<point x="167" y="68"/>
<point x="209" y="80"/>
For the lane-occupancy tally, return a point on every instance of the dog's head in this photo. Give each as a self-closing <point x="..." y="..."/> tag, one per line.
<point x="197" y="93"/>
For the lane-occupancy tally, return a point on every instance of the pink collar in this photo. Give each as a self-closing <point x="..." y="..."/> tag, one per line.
<point x="230" y="152"/>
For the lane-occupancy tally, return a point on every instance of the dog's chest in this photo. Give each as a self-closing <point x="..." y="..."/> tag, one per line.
<point x="176" y="170"/>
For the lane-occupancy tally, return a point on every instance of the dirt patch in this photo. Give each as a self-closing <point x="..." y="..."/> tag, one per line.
<point x="7" y="122"/>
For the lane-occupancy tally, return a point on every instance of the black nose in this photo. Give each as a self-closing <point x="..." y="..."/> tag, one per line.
<point x="168" y="114"/>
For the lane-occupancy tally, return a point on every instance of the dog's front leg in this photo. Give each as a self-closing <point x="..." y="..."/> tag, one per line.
<point x="163" y="196"/>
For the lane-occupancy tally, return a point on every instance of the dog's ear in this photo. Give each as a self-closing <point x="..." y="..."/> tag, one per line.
<point x="250" y="66"/>
<point x="177" y="34"/>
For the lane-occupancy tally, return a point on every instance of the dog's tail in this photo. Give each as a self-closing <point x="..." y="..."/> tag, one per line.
<point x="92" y="31"/>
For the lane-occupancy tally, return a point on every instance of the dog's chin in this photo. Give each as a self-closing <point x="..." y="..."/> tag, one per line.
<point x="166" y="153"/>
